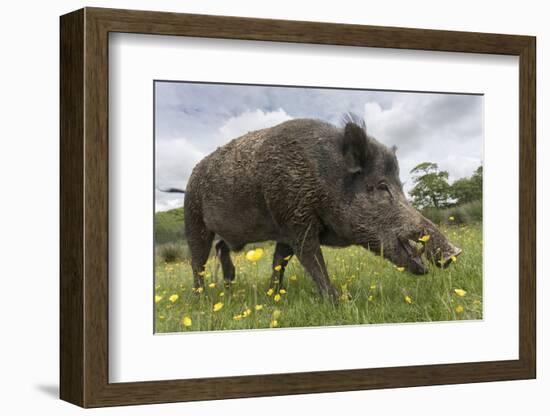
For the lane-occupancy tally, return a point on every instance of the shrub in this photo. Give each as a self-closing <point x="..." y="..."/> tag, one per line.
<point x="463" y="214"/>
<point x="171" y="252"/>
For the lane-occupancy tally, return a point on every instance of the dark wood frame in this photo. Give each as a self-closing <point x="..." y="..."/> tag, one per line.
<point x="84" y="207"/>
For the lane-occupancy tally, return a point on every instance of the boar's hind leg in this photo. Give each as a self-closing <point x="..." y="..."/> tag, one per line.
<point x="311" y="257"/>
<point x="281" y="257"/>
<point x="222" y="250"/>
<point x="200" y="242"/>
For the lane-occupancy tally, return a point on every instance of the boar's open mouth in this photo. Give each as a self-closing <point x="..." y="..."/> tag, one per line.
<point x="414" y="250"/>
<point x="444" y="259"/>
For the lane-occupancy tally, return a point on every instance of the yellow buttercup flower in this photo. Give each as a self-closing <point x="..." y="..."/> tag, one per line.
<point x="276" y="314"/>
<point x="277" y="297"/>
<point x="270" y="292"/>
<point x="158" y="298"/>
<point x="247" y="313"/>
<point x="198" y="289"/>
<point x="278" y="268"/>
<point x="287" y="258"/>
<point x="212" y="285"/>
<point x="459" y="309"/>
<point x="451" y="218"/>
<point x="293" y="278"/>
<point x="370" y="298"/>
<point x="400" y="269"/>
<point x="186" y="321"/>
<point x="173" y="298"/>
<point x="453" y="258"/>
<point x="408" y="300"/>
<point x="237" y="317"/>
<point x="460" y="292"/>
<point x="274" y="323"/>
<point x="254" y="255"/>
<point x="424" y="238"/>
<point x="259" y="307"/>
<point x="372" y="287"/>
<point x="282" y="291"/>
<point x="218" y="306"/>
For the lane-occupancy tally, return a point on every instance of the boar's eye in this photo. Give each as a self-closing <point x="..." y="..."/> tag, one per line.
<point x="383" y="186"/>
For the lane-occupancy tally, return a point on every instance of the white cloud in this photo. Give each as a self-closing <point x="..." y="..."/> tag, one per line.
<point x="165" y="202"/>
<point x="172" y="161"/>
<point x="250" y="121"/>
<point x="194" y="119"/>
<point x="396" y="125"/>
<point x="175" y="158"/>
<point x="430" y="128"/>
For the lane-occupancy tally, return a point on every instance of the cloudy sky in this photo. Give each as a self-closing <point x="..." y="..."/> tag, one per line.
<point x="192" y="120"/>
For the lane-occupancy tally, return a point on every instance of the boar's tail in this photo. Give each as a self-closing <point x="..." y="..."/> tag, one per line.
<point x="172" y="190"/>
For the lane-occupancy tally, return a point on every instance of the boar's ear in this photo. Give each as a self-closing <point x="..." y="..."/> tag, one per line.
<point x="354" y="147"/>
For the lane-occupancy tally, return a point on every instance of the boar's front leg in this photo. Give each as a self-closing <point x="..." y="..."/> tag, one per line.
<point x="228" y="268"/>
<point x="282" y="255"/>
<point x="311" y="257"/>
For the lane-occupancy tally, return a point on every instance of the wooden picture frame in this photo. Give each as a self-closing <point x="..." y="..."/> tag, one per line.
<point x="84" y="207"/>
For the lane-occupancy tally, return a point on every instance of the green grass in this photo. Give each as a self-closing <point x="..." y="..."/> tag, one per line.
<point x="375" y="291"/>
<point x="169" y="226"/>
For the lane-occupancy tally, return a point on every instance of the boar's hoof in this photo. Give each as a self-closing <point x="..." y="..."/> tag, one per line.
<point x="332" y="293"/>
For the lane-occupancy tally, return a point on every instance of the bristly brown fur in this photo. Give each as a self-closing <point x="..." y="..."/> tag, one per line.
<point x="304" y="183"/>
<point x="352" y="118"/>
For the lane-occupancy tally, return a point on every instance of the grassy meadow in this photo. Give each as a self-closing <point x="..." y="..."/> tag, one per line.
<point x="373" y="290"/>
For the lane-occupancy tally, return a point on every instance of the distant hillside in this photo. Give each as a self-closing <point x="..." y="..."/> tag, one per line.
<point x="169" y="226"/>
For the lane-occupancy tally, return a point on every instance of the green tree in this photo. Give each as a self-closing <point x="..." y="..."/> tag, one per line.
<point x="470" y="189"/>
<point x="477" y="179"/>
<point x="431" y="186"/>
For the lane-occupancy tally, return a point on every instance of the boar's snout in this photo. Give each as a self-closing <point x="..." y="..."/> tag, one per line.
<point x="445" y="257"/>
<point x="440" y="250"/>
<point x="431" y="242"/>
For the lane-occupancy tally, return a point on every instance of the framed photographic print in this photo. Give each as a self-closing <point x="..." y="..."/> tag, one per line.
<point x="321" y="207"/>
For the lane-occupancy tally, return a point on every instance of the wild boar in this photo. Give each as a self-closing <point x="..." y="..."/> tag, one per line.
<point x="306" y="183"/>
